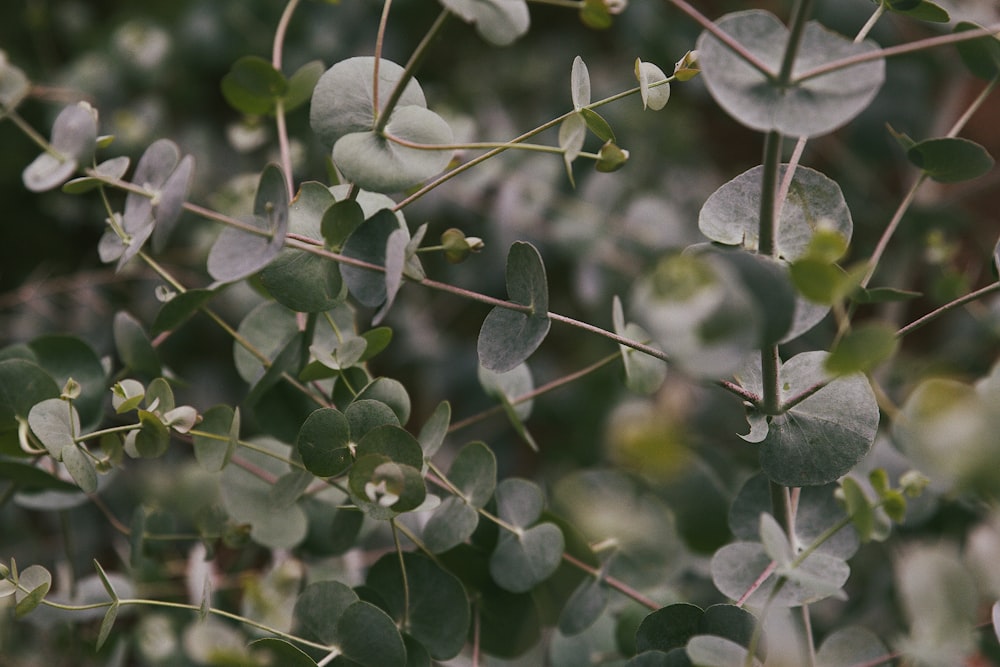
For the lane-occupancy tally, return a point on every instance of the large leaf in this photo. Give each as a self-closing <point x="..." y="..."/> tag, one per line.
<point x="65" y="357"/>
<point x="823" y="436"/>
<point x="731" y="215"/>
<point x="497" y="21"/>
<point x="377" y="163"/>
<point x="239" y="253"/>
<point x="805" y="108"/>
<point x="323" y="443"/>
<point x="508" y="337"/>
<point x="431" y="599"/>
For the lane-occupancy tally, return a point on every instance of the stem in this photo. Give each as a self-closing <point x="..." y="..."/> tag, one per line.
<point x="616" y="584"/>
<point x="379" y="41"/>
<point x="961" y="301"/>
<point x="973" y="107"/>
<point x="800" y="13"/>
<point x="891" y="51"/>
<point x="723" y="37"/>
<point x="768" y="191"/>
<point x="279" y="111"/>
<point x="382" y="117"/>
<point x="870" y="24"/>
<point x="405" y="621"/>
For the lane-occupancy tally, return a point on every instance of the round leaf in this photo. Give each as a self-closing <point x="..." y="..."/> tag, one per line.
<point x="809" y="108"/>
<point x="323" y="443"/>
<point x="584" y="606"/>
<point x="392" y="393"/>
<point x="74" y="137"/>
<point x="950" y="159"/>
<point x="848" y="646"/>
<point x="368" y="243"/>
<point x="223" y="422"/>
<point x="253" y="86"/>
<point x="34" y="584"/>
<point x="379" y="164"/>
<point x="370" y="638"/>
<point x="522" y="561"/>
<point x="653" y="89"/>
<point x="450" y="525"/>
<point x="499" y="22"/>
<point x="55" y="423"/>
<point x="508" y="337"/>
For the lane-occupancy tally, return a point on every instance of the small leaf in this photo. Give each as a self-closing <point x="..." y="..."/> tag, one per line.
<point x="862" y="349"/>
<point x="14" y="85"/>
<point x="34" y="584"/>
<point x="339" y="222"/>
<point x="474" y="473"/>
<point x="859" y="508"/>
<point x="611" y="157"/>
<point x="653" y="89"/>
<point x="597" y="125"/>
<point x="521" y="562"/>
<point x="107" y="624"/>
<point x="580" y="84"/>
<point x="56" y="424"/>
<point x="508" y="337"/>
<point x="775" y="542"/>
<point x="74" y="138"/>
<point x="711" y="651"/>
<point x="369" y="243"/>
<point x="435" y="429"/>
<point x="644" y="374"/>
<point x="950" y="159"/>
<point x="594" y="14"/>
<point x="302" y="83"/>
<point x="81" y="468"/>
<point x="114" y="168"/>
<point x="849" y="646"/>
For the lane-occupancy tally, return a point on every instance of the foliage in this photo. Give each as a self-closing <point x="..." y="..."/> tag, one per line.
<point x="266" y="459"/>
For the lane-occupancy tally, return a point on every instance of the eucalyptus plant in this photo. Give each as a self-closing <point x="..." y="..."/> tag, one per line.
<point x="364" y="528"/>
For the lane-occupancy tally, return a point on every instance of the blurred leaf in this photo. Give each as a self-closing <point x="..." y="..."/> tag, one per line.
<point x="134" y="348"/>
<point x="925" y="10"/>
<point x="302" y="83"/>
<point x="368" y="243"/>
<point x="29" y="478"/>
<point x="114" y="168"/>
<point x="223" y="422"/>
<point x="672" y="627"/>
<point x="643" y="374"/>
<point x="882" y="295"/>
<point x="253" y="86"/>
<point x="950" y="159"/>
<point x="74" y="138"/>
<point x="238" y="254"/>
<point x="851" y="645"/>
<point x="711" y="651"/>
<point x="862" y="348"/>
<point x="584" y="606"/>
<point x="435" y="429"/>
<point x="178" y="309"/>
<point x="499" y="22"/>
<point x="809" y="108"/>
<point x="287" y="654"/>
<point x="611" y="158"/>
<point x="737" y="566"/>
<point x="508" y="337"/>
<point x="981" y="56"/>
<point x="69" y="357"/>
<point x="431" y="599"/>
<point x="14" y="85"/>
<point x="594" y="14"/>
<point x="511" y="384"/>
<point x="474" y="473"/>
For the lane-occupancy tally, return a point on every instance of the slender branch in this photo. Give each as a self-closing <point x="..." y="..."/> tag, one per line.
<point x="279" y="112"/>
<point x="379" y="42"/>
<point x="800" y="13"/>
<point x="724" y="37"/>
<point x="616" y="584"/>
<point x="961" y="301"/>
<point x="973" y="107"/>
<point x="919" y="45"/>
<point x="870" y="23"/>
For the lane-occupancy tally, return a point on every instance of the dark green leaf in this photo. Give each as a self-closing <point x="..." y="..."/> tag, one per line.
<point x="392" y="393"/>
<point x="882" y="295"/>
<point x="29" y="478"/>
<point x="285" y="653"/>
<point x="365" y="414"/>
<point x="643" y="374"/>
<point x="597" y="125"/>
<point x="849" y="646"/>
<point x="134" y="347"/>
<point x="320" y="606"/>
<point x="178" y="309"/>
<point x="340" y="221"/>
<point x="508" y="337"/>
<point x="474" y="473"/>
<point x="981" y="56"/>
<point x="950" y="159"/>
<point x="368" y="243"/>
<point x="925" y="10"/>
<point x="213" y="453"/>
<point x="369" y="637"/>
<point x="302" y="83"/>
<point x="438" y="608"/>
<point x="584" y="606"/>
<point x="65" y="357"/>
<point x="808" y="108"/>
<point x="451" y="524"/>
<point x="595" y="14"/>
<point x="323" y="443"/>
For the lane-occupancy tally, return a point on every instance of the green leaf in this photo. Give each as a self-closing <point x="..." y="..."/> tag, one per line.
<point x="134" y="347"/>
<point x="238" y="254"/>
<point x="824" y="436"/>
<point x="81" y="468"/>
<point x="508" y="337"/>
<point x="851" y="645"/>
<point x="114" y="168"/>
<point x="432" y="600"/>
<point x="302" y="83"/>
<point x="859" y="508"/>
<point x="342" y="101"/>
<point x="253" y="86"/>
<point x="524" y="559"/>
<point x="379" y="164"/>
<point x="597" y="125"/>
<point x="594" y="14"/>
<point x="68" y="358"/>
<point x="28" y="478"/>
<point x="863" y="348"/>
<point x="809" y="108"/>
<point x="611" y="158"/>
<point x="737" y="567"/>
<point x="435" y="429"/>
<point x="340" y="221"/>
<point x="643" y="374"/>
<point x="268" y="328"/>
<point x="815" y="204"/>
<point x="580" y="84"/>
<point x="950" y="159"/>
<point x="474" y="473"/>
<point x="510" y="385"/>
<point x="34" y="583"/>
<point x="151" y="440"/>
<point x="981" y="56"/>
<point x="452" y="523"/>
<point x="584" y="606"/>
<point x="107" y="623"/>
<point x="179" y="308"/>
<point x="369" y="637"/>
<point x="300" y="280"/>
<point x="499" y="22"/>
<point x="283" y="653"/>
<point x="247" y="498"/>
<point x="653" y="89"/>
<point x="321" y="605"/>
<point x="74" y="138"/>
<point x="368" y="243"/>
<point x="711" y="651"/>
<point x="366" y="414"/>
<point x="388" y="391"/>
<point x="925" y="10"/>
<point x="55" y="423"/>
<point x="213" y="453"/>
<point x="672" y="627"/>
<point x="323" y="443"/>
<point x="22" y="384"/>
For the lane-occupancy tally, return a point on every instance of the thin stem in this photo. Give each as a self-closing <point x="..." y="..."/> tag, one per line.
<point x="795" y="400"/>
<point x="379" y="42"/>
<point x="279" y="111"/>
<point x="961" y="301"/>
<point x="405" y="622"/>
<point x="890" y="229"/>
<point x="616" y="584"/>
<point x="723" y="37"/>
<point x="382" y="116"/>
<point x="106" y="431"/>
<point x="870" y="24"/>
<point x="800" y="13"/>
<point x="891" y="51"/>
<point x="973" y="107"/>
<point x="31" y="133"/>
